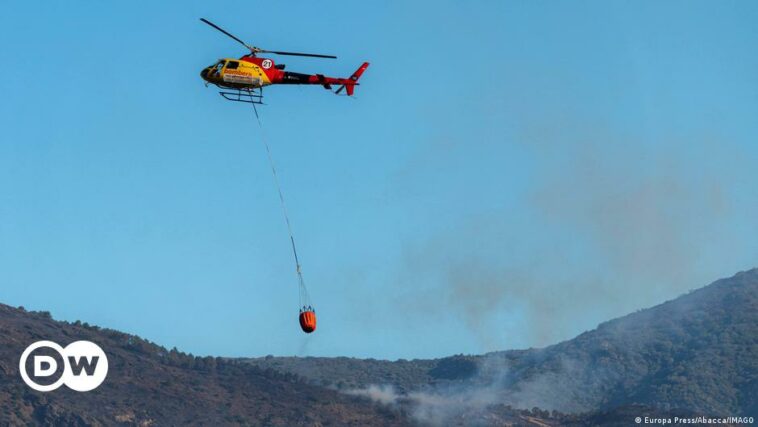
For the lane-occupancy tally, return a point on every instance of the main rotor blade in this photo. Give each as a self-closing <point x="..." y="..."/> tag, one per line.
<point x="259" y="50"/>
<point x="313" y="55"/>
<point x="252" y="48"/>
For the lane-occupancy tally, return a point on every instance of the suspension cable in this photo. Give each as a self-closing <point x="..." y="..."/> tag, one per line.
<point x="303" y="291"/>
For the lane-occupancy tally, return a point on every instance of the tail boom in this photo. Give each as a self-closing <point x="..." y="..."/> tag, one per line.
<point x="319" y="79"/>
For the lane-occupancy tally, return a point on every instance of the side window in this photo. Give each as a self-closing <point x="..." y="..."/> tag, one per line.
<point x="232" y="65"/>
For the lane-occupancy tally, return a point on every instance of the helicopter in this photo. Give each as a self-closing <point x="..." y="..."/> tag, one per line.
<point x="243" y="79"/>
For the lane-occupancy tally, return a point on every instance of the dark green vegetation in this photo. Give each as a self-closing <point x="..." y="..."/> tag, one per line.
<point x="148" y="385"/>
<point x="698" y="352"/>
<point x="696" y="355"/>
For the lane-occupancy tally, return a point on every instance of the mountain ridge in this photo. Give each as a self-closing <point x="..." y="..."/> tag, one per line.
<point x="696" y="352"/>
<point x="150" y="385"/>
<point x="693" y="355"/>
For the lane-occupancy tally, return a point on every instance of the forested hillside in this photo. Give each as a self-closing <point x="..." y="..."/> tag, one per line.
<point x="698" y="352"/>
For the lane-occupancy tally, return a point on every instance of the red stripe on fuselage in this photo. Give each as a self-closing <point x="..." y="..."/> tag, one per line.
<point x="268" y="66"/>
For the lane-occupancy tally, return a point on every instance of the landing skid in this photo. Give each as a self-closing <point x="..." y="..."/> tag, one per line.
<point x="250" y="96"/>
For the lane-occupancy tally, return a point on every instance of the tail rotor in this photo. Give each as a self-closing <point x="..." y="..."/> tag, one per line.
<point x="349" y="86"/>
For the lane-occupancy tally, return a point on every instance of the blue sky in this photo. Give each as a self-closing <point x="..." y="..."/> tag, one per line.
<point x="509" y="175"/>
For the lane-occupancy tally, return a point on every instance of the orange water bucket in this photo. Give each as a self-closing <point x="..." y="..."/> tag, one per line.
<point x="308" y="321"/>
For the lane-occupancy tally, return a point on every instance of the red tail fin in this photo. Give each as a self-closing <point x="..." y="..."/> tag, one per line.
<point x="354" y="78"/>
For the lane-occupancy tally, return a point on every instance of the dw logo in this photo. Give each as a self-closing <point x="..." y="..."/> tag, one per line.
<point x="81" y="366"/>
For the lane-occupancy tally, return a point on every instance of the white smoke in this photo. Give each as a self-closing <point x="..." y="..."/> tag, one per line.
<point x="384" y="394"/>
